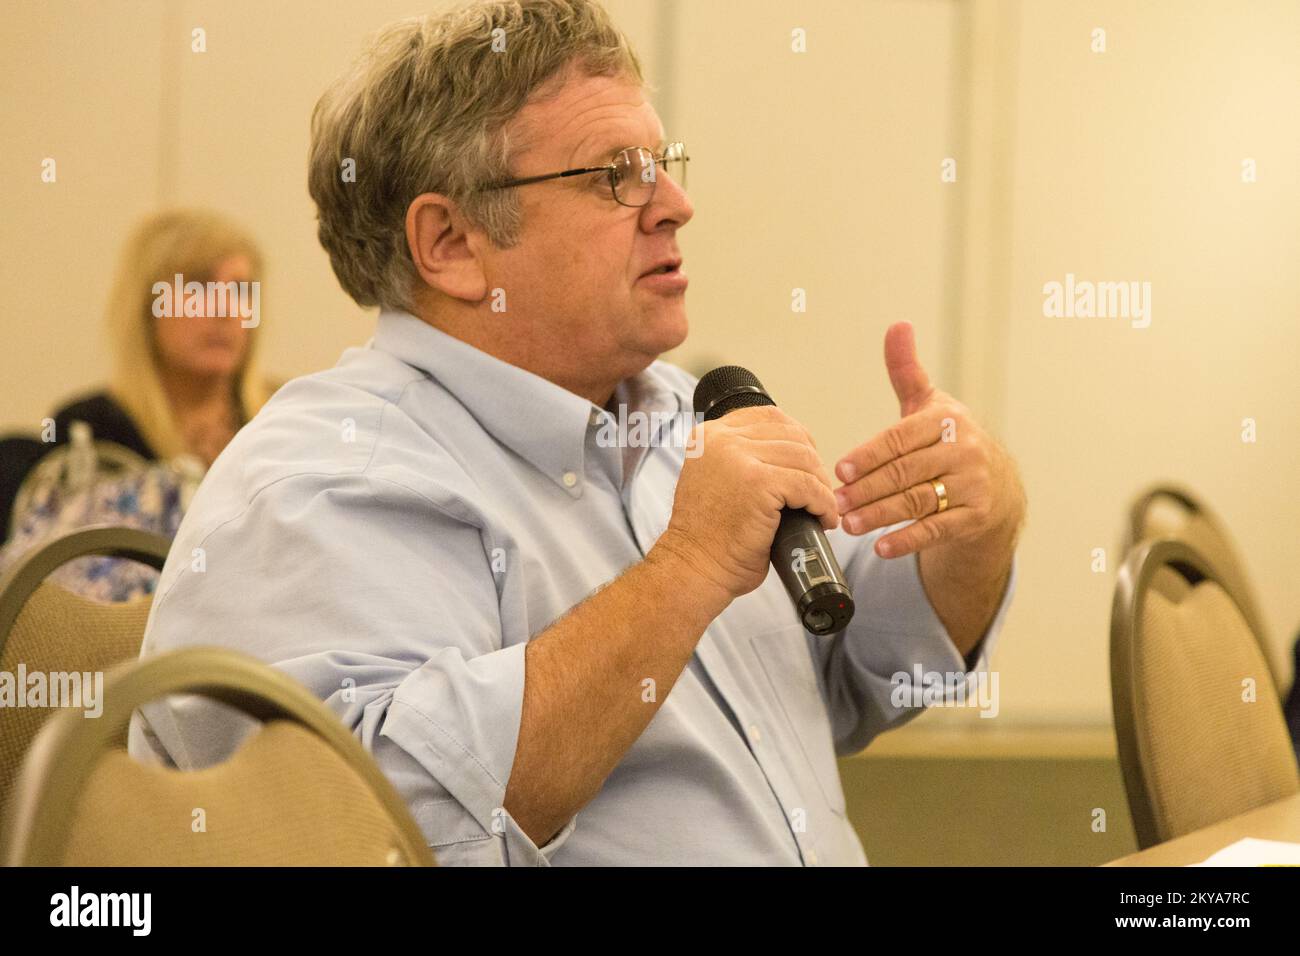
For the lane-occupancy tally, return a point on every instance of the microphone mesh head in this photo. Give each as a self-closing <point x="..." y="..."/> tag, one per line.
<point x="726" y="389"/>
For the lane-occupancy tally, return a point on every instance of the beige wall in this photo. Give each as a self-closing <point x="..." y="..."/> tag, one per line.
<point x="818" y="171"/>
<point x="81" y="84"/>
<point x="1127" y="165"/>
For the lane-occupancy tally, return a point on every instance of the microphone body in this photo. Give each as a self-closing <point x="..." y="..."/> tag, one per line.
<point x="801" y="554"/>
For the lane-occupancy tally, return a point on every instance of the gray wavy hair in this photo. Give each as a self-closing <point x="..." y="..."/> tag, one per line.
<point x="424" y="109"/>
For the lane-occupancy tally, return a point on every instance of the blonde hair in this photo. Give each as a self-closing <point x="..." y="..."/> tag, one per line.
<point x="424" y="110"/>
<point x="192" y="243"/>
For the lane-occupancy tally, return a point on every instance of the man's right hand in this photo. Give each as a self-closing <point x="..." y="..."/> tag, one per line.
<point x="754" y="462"/>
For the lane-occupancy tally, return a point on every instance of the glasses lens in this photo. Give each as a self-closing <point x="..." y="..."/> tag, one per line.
<point x="634" y="176"/>
<point x="635" y="171"/>
<point x="674" y="163"/>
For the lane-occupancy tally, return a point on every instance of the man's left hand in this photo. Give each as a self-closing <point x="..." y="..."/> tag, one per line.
<point x="890" y="478"/>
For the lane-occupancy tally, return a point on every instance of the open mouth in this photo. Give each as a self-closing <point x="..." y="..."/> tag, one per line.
<point x="664" y="269"/>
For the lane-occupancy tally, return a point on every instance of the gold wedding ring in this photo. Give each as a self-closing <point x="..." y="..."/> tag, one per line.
<point x="941" y="492"/>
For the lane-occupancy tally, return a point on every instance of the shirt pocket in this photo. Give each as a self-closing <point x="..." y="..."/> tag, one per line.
<point x="787" y="664"/>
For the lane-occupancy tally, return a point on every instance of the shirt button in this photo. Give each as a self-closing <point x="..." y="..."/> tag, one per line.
<point x="569" y="479"/>
<point x="754" y="734"/>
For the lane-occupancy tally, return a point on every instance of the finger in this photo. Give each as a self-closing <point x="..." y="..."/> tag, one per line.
<point x="915" y="502"/>
<point x="798" y="489"/>
<point x="898" y="475"/>
<point x="906" y="435"/>
<point x="795" y="455"/>
<point x="922" y="534"/>
<point x="776" y="431"/>
<point x="910" y="381"/>
<point x="756" y="414"/>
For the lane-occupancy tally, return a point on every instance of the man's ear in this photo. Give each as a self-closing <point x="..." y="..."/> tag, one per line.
<point x="442" y="248"/>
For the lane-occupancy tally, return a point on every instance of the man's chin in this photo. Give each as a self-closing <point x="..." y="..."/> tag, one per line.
<point x="665" y="328"/>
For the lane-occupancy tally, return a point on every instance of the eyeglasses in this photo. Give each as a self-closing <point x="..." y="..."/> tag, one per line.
<point x="632" y="175"/>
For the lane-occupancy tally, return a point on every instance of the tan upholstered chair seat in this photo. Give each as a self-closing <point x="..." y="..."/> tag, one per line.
<point x="61" y="631"/>
<point x="1198" y="719"/>
<point x="1209" y="753"/>
<point x="298" y="790"/>
<point x="262" y="807"/>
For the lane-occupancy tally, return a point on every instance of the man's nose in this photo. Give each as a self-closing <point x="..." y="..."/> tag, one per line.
<point x="669" y="206"/>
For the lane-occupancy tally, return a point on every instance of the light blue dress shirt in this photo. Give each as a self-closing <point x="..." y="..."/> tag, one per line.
<point x="391" y="533"/>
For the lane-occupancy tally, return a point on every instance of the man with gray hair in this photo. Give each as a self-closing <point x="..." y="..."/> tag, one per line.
<point x="564" y="649"/>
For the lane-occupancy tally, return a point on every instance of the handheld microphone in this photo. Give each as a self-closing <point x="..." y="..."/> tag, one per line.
<point x="800" y="552"/>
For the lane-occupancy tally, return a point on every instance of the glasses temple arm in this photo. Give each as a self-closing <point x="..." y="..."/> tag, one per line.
<point x="529" y="180"/>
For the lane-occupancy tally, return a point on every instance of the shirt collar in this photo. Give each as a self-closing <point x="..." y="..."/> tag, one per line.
<point x="540" y="421"/>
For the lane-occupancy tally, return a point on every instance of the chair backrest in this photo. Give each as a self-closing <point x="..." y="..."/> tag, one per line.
<point x="299" y="792"/>
<point x="21" y="581"/>
<point x="1170" y="511"/>
<point x="1198" y="721"/>
<point x="47" y="630"/>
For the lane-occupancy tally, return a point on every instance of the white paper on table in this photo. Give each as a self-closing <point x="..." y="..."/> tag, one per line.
<point x="1253" y="852"/>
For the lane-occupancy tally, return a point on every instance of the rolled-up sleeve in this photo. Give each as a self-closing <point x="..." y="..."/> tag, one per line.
<point x="894" y="638"/>
<point x="451" y="728"/>
<point x="384" y="603"/>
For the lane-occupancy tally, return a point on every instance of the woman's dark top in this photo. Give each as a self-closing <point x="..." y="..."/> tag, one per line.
<point x="107" y="419"/>
<point x="19" y="454"/>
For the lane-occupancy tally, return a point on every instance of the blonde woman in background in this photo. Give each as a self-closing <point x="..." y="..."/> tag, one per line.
<point x="181" y="387"/>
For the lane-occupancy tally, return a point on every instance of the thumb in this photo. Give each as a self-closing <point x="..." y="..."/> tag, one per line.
<point x="911" y="384"/>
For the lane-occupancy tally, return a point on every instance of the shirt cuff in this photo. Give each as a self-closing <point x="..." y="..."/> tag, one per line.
<point x="520" y="850"/>
<point x="897" y="629"/>
<point x="459" y="720"/>
<point x="898" y="653"/>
